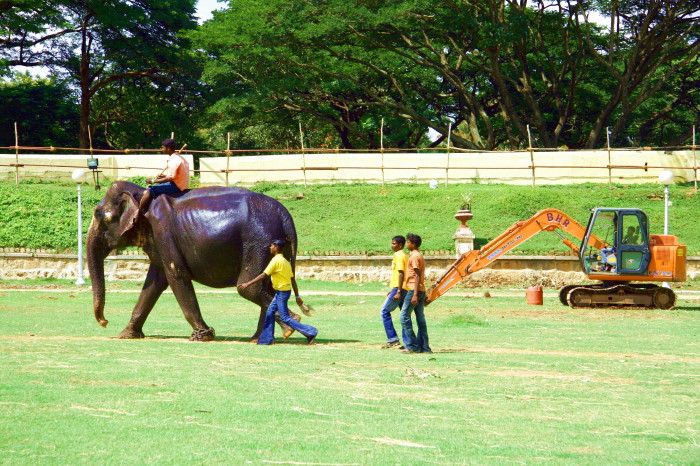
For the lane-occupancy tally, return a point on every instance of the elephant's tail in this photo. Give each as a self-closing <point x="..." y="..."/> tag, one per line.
<point x="290" y="233"/>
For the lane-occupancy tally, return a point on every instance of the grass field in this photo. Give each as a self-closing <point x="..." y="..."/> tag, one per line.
<point x="364" y="217"/>
<point x="507" y="383"/>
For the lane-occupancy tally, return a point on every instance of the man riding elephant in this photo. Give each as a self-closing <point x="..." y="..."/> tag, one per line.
<point x="215" y="236"/>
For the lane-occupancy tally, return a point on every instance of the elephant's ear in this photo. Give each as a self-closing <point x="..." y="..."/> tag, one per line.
<point x="128" y="213"/>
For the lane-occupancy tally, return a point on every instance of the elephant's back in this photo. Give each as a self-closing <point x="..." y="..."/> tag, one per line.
<point x="217" y="209"/>
<point x="221" y="199"/>
<point x="230" y="227"/>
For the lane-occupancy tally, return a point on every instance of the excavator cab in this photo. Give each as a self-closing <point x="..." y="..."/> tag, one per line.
<point x="623" y="246"/>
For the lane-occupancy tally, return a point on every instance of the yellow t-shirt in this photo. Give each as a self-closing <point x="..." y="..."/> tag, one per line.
<point x="398" y="264"/>
<point x="280" y="271"/>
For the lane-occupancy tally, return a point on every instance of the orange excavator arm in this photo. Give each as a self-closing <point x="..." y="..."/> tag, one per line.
<point x="519" y="232"/>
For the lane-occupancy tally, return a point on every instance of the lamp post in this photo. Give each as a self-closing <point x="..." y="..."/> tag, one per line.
<point x="79" y="176"/>
<point x="666" y="178"/>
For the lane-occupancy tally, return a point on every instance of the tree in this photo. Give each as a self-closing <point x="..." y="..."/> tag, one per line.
<point x="499" y="70"/>
<point x="650" y="43"/>
<point x="43" y="108"/>
<point x="101" y="42"/>
<point x="140" y="112"/>
<point x="27" y="29"/>
<point x="283" y="80"/>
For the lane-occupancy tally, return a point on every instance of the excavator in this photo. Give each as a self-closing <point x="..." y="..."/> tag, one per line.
<point x="616" y="250"/>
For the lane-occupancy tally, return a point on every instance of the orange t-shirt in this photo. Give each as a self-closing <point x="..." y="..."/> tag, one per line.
<point x="179" y="171"/>
<point x="415" y="261"/>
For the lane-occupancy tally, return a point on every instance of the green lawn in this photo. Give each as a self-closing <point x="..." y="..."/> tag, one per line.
<point x="507" y="383"/>
<point x="364" y="217"/>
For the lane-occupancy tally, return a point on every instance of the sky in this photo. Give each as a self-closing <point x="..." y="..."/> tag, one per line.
<point x="205" y="7"/>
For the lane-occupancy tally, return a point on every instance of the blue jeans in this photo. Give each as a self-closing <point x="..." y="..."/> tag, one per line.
<point x="163" y="188"/>
<point x="279" y="305"/>
<point x="412" y="342"/>
<point x="389" y="306"/>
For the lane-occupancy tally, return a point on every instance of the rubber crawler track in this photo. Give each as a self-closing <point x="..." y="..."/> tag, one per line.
<point x="657" y="297"/>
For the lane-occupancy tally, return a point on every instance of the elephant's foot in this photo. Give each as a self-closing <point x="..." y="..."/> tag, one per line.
<point x="203" y="334"/>
<point x="129" y="334"/>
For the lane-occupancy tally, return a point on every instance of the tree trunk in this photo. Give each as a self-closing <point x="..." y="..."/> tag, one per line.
<point x="85" y="84"/>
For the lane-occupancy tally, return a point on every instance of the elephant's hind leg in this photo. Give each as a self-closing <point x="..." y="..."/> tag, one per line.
<point x="262" y="295"/>
<point x="286" y="329"/>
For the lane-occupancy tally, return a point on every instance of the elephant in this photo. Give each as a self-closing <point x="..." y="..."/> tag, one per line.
<point x="216" y="236"/>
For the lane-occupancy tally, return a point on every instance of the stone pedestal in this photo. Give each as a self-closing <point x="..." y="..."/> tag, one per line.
<point x="464" y="237"/>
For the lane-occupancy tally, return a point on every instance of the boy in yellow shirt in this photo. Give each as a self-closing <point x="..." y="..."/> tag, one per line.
<point x="280" y="272"/>
<point x="395" y="296"/>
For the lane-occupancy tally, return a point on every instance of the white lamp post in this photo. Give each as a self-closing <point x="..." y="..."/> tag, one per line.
<point x="79" y="176"/>
<point x="666" y="178"/>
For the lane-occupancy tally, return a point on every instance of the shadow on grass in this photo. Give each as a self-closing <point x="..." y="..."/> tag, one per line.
<point x="687" y="307"/>
<point x="278" y="341"/>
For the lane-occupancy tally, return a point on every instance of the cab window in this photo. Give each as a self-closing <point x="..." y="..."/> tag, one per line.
<point x="631" y="230"/>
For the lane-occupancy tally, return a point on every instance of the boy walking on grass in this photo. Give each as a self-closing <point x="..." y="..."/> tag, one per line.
<point x="280" y="271"/>
<point x="415" y="300"/>
<point x="395" y="296"/>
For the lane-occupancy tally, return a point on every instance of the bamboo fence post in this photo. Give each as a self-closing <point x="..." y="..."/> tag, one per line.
<point x="228" y="154"/>
<point x="381" y="146"/>
<point x="16" y="155"/>
<point x="607" y="133"/>
<point x="695" y="164"/>
<point x="532" y="155"/>
<point x="447" y="168"/>
<point x="303" y="155"/>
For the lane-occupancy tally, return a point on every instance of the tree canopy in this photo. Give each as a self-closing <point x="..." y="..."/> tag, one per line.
<point x="43" y="110"/>
<point x="490" y="74"/>
<point x="491" y="68"/>
<point x="101" y="45"/>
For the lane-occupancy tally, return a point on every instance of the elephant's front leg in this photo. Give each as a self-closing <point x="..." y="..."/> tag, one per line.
<point x="153" y="287"/>
<point x="187" y="299"/>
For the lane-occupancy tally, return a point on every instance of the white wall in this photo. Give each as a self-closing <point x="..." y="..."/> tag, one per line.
<point x="555" y="167"/>
<point x="60" y="167"/>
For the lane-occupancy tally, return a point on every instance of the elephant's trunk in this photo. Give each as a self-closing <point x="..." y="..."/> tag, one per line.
<point x="97" y="251"/>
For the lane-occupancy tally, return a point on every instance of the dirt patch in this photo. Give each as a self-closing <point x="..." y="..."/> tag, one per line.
<point x="579" y="314"/>
<point x="21" y="286"/>
<point x="576" y="354"/>
<point x="545" y="278"/>
<point x="552" y="375"/>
